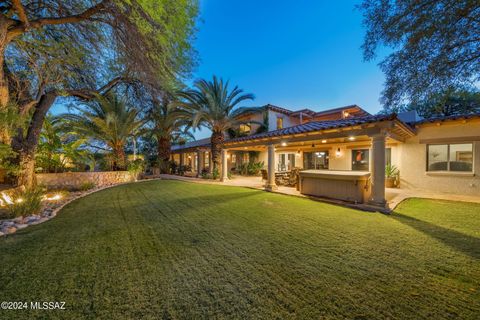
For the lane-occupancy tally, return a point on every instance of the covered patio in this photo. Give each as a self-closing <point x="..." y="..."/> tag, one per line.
<point x="328" y="151"/>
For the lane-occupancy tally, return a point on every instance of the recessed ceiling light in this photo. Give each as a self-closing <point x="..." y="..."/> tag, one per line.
<point x="284" y="144"/>
<point x="351" y="138"/>
<point x="324" y="141"/>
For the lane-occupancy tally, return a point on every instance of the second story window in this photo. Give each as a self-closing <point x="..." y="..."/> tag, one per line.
<point x="245" y="128"/>
<point x="279" y="123"/>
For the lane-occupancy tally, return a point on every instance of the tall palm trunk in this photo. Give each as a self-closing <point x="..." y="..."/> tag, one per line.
<point x="164" y="151"/>
<point x="216" y="142"/>
<point x="119" y="158"/>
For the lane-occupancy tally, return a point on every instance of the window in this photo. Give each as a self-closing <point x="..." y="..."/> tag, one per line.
<point x="361" y="159"/>
<point x="286" y="162"/>
<point x="245" y="128"/>
<point x="234" y="158"/>
<point x="207" y="159"/>
<point x="279" y="123"/>
<point x="315" y="160"/>
<point x="450" y="157"/>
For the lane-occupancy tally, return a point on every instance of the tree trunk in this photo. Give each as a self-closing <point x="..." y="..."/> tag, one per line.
<point x="119" y="158"/>
<point x="164" y="151"/>
<point x="25" y="147"/>
<point x="4" y="92"/>
<point x="216" y="142"/>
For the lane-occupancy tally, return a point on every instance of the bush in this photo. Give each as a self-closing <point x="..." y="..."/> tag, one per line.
<point x="136" y="166"/>
<point x="87" y="186"/>
<point x="26" y="203"/>
<point x="215" y="174"/>
<point x="184" y="168"/>
<point x="250" y="169"/>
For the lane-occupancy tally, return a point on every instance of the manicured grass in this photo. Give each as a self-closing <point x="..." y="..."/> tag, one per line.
<point x="167" y="249"/>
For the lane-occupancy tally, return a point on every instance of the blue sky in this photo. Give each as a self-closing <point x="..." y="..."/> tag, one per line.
<point x="294" y="54"/>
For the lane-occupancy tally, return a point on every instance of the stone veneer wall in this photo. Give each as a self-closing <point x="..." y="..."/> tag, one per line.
<point x="74" y="180"/>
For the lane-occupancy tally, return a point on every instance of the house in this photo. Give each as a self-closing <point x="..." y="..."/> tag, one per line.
<point x="342" y="152"/>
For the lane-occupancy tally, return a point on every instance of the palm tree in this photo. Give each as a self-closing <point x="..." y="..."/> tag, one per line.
<point x="170" y="123"/>
<point x="108" y="120"/>
<point x="215" y="108"/>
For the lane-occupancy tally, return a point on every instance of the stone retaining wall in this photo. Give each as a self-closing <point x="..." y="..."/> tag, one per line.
<point x="76" y="180"/>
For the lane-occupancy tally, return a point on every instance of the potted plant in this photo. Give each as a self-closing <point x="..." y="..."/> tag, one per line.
<point x="391" y="176"/>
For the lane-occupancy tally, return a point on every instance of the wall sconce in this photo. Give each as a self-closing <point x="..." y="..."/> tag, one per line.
<point x="338" y="153"/>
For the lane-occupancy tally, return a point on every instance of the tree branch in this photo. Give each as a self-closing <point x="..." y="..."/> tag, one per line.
<point x="69" y="19"/>
<point x="18" y="6"/>
<point x="89" y="94"/>
<point x="20" y="27"/>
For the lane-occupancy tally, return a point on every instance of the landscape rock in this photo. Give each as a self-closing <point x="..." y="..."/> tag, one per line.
<point x="20" y="226"/>
<point x="7" y="223"/>
<point x="41" y="220"/>
<point x="9" y="230"/>
<point x="18" y="219"/>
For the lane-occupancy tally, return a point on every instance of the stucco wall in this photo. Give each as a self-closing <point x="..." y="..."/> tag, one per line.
<point x="72" y="180"/>
<point x="287" y="121"/>
<point x="413" y="159"/>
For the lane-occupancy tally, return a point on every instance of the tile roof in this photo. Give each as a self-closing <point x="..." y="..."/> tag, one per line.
<point x="317" y="126"/>
<point x="447" y="118"/>
<point x="192" y="144"/>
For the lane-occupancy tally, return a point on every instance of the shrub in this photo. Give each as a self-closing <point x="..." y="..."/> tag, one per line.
<point x="184" y="168"/>
<point x="215" y="174"/>
<point x="87" y="186"/>
<point x="136" y="166"/>
<point x="250" y="169"/>
<point x="173" y="167"/>
<point x="26" y="203"/>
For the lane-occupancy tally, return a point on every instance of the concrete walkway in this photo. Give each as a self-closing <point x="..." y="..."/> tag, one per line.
<point x="393" y="196"/>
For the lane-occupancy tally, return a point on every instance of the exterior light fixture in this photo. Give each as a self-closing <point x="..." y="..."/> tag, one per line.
<point x="338" y="152"/>
<point x="351" y="138"/>
<point x="284" y="144"/>
<point x="324" y="141"/>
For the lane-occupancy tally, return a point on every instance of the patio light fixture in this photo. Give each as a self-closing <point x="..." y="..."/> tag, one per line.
<point x="351" y="138"/>
<point x="284" y="144"/>
<point x="338" y="153"/>
<point x="324" y="141"/>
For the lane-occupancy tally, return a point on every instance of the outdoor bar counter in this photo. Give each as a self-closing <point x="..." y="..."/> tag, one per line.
<point x="352" y="186"/>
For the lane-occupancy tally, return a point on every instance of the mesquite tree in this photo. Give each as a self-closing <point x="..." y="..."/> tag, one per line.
<point x="81" y="48"/>
<point x="436" y="46"/>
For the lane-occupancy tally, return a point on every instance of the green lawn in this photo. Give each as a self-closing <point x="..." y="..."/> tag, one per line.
<point x="167" y="249"/>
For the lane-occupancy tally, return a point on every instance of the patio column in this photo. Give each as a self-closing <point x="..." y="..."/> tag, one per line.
<point x="224" y="176"/>
<point x="377" y="196"/>
<point x="201" y="159"/>
<point x="182" y="158"/>
<point x="271" y="168"/>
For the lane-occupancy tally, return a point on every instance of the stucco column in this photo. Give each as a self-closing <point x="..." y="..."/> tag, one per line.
<point x="182" y="158"/>
<point x="377" y="196"/>
<point x="224" y="176"/>
<point x="271" y="168"/>
<point x="210" y="162"/>
<point x="201" y="159"/>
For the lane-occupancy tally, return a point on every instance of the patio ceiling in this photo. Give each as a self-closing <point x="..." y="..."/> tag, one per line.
<point x="331" y="131"/>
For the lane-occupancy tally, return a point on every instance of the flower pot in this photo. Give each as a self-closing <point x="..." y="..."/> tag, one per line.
<point x="390" y="182"/>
